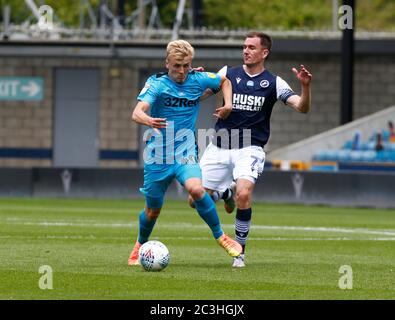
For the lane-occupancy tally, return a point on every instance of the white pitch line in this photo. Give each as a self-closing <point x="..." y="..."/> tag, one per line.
<point x="68" y="209"/>
<point x="65" y="209"/>
<point x="72" y="224"/>
<point x="324" y="239"/>
<point x="22" y="221"/>
<point x="84" y="223"/>
<point x="325" y="229"/>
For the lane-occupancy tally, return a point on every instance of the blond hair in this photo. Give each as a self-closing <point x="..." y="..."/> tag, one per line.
<point x="179" y="49"/>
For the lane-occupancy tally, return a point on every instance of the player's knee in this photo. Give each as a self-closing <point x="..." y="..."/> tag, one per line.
<point x="196" y="192"/>
<point x="243" y="198"/>
<point x="152" y="213"/>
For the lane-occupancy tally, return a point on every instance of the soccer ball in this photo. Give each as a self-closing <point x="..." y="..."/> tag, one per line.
<point x="154" y="256"/>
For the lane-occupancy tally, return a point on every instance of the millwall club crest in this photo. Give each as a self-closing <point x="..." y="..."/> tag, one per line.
<point x="264" y="83"/>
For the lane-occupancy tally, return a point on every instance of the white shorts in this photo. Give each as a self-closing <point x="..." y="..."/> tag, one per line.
<point x="221" y="166"/>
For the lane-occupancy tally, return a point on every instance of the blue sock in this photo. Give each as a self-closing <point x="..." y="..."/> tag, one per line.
<point x="145" y="227"/>
<point x="207" y="211"/>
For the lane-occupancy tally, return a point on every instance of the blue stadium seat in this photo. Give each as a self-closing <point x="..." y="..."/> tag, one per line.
<point x="386" y="145"/>
<point x="347" y="145"/>
<point x="391" y="156"/>
<point x="366" y="152"/>
<point x="380" y="155"/>
<point x="327" y="167"/>
<point x="368" y="156"/>
<point x="370" y="145"/>
<point x="343" y="155"/>
<point x="356" y="155"/>
<point x="372" y="138"/>
<point x="325" y="155"/>
<point x="319" y="155"/>
<point x="385" y="156"/>
<point x="364" y="146"/>
<point x="331" y="155"/>
<point x="385" y="135"/>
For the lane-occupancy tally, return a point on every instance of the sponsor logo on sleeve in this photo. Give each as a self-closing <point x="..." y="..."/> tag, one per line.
<point x="211" y="75"/>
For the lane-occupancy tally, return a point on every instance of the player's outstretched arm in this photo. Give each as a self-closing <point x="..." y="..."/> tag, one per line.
<point x="206" y="94"/>
<point x="140" y="116"/>
<point x="224" y="111"/>
<point x="302" y="103"/>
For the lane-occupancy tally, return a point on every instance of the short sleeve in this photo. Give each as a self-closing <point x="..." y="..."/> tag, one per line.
<point x="210" y="80"/>
<point x="149" y="92"/>
<point x="223" y="71"/>
<point x="284" y="91"/>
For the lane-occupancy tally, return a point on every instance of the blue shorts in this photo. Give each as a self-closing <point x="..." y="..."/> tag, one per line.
<point x="157" y="179"/>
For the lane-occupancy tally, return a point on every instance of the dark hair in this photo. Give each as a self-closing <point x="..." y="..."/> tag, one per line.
<point x="266" y="40"/>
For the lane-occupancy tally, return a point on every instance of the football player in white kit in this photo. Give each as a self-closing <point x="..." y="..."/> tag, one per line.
<point x="236" y="151"/>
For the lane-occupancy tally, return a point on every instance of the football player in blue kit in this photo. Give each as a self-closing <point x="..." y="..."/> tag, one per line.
<point x="236" y="151"/>
<point x="173" y="100"/>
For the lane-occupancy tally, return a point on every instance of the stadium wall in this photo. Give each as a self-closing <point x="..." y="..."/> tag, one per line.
<point x="27" y="127"/>
<point x="350" y="189"/>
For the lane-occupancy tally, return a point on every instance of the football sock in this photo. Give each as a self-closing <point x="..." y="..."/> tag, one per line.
<point x="242" y="225"/>
<point x="216" y="195"/>
<point x="227" y="194"/>
<point x="224" y="195"/>
<point x="207" y="211"/>
<point x="145" y="227"/>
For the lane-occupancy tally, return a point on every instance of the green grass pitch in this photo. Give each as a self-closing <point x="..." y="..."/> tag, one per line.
<point x="294" y="252"/>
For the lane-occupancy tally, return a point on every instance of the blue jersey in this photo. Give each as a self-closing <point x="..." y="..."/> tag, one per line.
<point x="253" y="101"/>
<point x="179" y="103"/>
